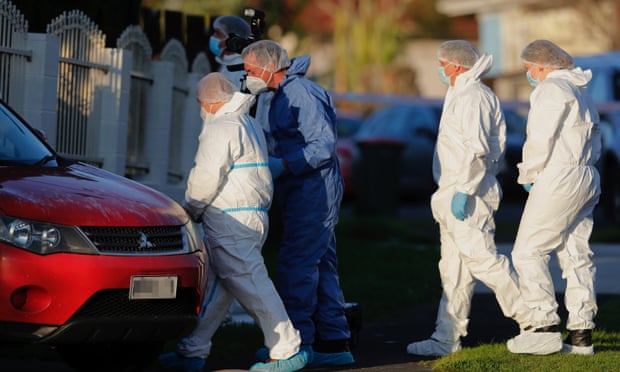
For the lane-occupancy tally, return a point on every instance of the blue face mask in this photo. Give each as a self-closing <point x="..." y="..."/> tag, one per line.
<point x="214" y="46"/>
<point x="442" y="76"/>
<point x="533" y="82"/>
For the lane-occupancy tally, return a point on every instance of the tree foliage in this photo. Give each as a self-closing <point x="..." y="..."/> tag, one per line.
<point x="207" y="8"/>
<point x="367" y="38"/>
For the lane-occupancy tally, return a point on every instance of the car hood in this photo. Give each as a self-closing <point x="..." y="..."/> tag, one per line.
<point x="83" y="195"/>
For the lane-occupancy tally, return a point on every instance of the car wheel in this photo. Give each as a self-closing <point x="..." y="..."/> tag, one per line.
<point x="110" y="356"/>
<point x="610" y="194"/>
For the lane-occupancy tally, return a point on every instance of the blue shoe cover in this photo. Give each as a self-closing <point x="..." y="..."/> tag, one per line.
<point x="294" y="363"/>
<point x="262" y="354"/>
<point x="176" y="362"/>
<point x="331" y="359"/>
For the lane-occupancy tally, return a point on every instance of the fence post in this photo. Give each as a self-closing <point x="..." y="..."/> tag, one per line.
<point x="158" y="116"/>
<point x="113" y="112"/>
<point x="192" y="125"/>
<point x="41" y="84"/>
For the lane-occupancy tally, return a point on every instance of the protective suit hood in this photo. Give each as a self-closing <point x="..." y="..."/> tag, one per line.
<point x="240" y="103"/>
<point x="576" y="76"/>
<point x="479" y="69"/>
<point x="299" y="66"/>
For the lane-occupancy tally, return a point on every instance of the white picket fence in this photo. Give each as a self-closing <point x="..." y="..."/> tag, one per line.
<point x="116" y="108"/>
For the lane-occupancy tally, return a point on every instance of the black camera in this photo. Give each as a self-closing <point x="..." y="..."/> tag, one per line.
<point x="235" y="43"/>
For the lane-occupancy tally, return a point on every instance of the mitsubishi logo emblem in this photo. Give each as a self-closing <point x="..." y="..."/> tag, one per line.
<point x="144" y="243"/>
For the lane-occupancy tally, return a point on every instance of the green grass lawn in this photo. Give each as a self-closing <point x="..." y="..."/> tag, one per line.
<point x="496" y="357"/>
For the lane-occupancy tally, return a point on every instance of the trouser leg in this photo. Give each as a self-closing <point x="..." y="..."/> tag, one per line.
<point x="213" y="312"/>
<point x="458" y="287"/>
<point x="243" y="273"/>
<point x="479" y="254"/>
<point x="540" y="233"/>
<point x="257" y="294"/>
<point x="575" y="259"/>
<point x="330" y="319"/>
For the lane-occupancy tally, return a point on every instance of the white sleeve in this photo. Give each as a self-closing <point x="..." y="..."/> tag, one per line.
<point x="215" y="156"/>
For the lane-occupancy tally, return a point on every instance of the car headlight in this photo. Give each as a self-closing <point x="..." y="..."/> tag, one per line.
<point x="192" y="239"/>
<point x="43" y="238"/>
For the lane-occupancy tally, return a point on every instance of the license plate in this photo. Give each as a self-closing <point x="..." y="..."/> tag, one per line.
<point x="153" y="287"/>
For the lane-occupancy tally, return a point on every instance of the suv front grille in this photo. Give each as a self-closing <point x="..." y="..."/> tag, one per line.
<point x="111" y="317"/>
<point x="115" y="304"/>
<point x="136" y="240"/>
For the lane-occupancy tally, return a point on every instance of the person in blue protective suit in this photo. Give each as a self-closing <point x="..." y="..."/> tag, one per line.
<point x="229" y="190"/>
<point x="558" y="171"/>
<point x="308" y="188"/>
<point x="470" y="144"/>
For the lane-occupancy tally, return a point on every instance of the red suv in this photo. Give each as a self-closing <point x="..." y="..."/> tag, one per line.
<point x="102" y="267"/>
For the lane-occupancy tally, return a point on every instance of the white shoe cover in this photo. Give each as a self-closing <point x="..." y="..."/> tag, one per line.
<point x="537" y="343"/>
<point x="577" y="350"/>
<point x="432" y="347"/>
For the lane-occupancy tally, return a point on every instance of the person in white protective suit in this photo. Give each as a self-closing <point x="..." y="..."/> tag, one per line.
<point x="231" y="66"/>
<point x="558" y="170"/>
<point x="470" y="144"/>
<point x="229" y="190"/>
<point x="231" y="63"/>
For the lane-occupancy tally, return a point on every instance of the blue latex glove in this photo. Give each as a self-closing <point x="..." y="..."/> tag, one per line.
<point x="459" y="200"/>
<point x="528" y="186"/>
<point x="276" y="166"/>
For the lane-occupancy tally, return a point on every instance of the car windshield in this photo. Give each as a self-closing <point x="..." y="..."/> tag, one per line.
<point x="19" y="145"/>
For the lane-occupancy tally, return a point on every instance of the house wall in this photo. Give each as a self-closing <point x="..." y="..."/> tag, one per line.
<point x="506" y="26"/>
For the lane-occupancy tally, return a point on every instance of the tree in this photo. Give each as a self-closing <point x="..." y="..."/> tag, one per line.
<point x="367" y="38"/>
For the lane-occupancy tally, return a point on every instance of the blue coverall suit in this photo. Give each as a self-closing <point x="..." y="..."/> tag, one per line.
<point x="303" y="131"/>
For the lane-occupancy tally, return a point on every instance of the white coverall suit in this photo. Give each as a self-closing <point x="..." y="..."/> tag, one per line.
<point x="562" y="146"/>
<point x="470" y="145"/>
<point x="230" y="186"/>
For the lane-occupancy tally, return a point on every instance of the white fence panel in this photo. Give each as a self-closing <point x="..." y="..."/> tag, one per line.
<point x="134" y="40"/>
<point x="41" y="84"/>
<point x="157" y="130"/>
<point x="82" y="69"/>
<point x="192" y="122"/>
<point x="108" y="124"/>
<point x="13" y="55"/>
<point x="174" y="52"/>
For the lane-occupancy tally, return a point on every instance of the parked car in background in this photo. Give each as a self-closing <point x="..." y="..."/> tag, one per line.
<point x="515" y="115"/>
<point x="609" y="163"/>
<point x="101" y="267"/>
<point x="348" y="123"/>
<point x="416" y="126"/>
<point x="413" y="124"/>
